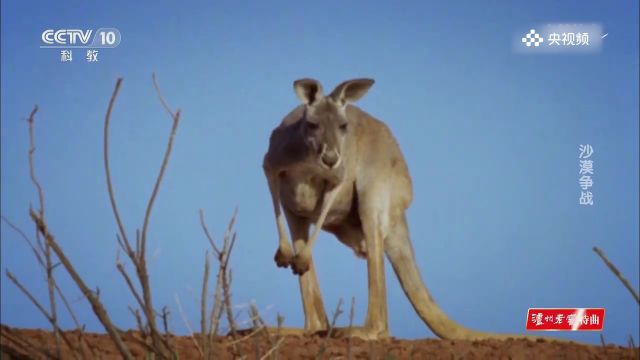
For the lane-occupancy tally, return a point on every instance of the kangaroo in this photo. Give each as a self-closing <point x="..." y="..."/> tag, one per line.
<point x="333" y="165"/>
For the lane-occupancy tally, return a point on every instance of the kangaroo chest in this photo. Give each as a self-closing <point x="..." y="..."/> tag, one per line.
<point x="302" y="193"/>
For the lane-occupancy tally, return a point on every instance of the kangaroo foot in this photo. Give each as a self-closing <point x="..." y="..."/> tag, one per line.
<point x="359" y="332"/>
<point x="300" y="264"/>
<point x="283" y="257"/>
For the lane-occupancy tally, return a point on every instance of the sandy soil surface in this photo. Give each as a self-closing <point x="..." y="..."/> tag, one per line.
<point x="30" y="343"/>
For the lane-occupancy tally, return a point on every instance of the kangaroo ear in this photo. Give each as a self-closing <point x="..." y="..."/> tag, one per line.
<point x="309" y="91"/>
<point x="351" y="90"/>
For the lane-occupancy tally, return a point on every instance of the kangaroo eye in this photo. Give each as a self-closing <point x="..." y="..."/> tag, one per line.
<point x="312" y="126"/>
<point x="343" y="127"/>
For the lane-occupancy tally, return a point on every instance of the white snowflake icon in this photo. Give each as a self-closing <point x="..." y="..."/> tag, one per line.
<point x="532" y="38"/>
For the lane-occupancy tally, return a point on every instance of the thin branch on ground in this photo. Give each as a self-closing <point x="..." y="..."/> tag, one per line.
<point x="139" y="324"/>
<point x="273" y="348"/>
<point x="351" y="316"/>
<point x="260" y="324"/>
<point x="24" y="344"/>
<point x="279" y="336"/>
<point x="188" y="325"/>
<point x="336" y="315"/>
<point x="44" y="312"/>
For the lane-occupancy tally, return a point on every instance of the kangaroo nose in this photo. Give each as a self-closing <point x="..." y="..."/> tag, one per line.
<point x="330" y="158"/>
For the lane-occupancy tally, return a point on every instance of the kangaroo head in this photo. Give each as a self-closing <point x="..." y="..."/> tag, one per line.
<point x="325" y="125"/>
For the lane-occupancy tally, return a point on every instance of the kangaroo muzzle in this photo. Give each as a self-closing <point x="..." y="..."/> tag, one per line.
<point x="330" y="158"/>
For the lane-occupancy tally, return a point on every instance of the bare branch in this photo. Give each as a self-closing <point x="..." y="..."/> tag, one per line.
<point x="351" y="316"/>
<point x="26" y="345"/>
<point x="136" y="315"/>
<point x="273" y="348"/>
<point x="47" y="252"/>
<point x="41" y="262"/>
<point x="96" y="305"/>
<point x="617" y="273"/>
<point x="26" y="239"/>
<point x="32" y="149"/>
<point x="44" y="312"/>
<point x="162" y="100"/>
<point x="107" y="168"/>
<point x="138" y="256"/>
<point x="154" y="194"/>
<point x="206" y="232"/>
<point x="336" y="314"/>
<point x="203" y="307"/>
<point x="186" y="323"/>
<point x="259" y="322"/>
<point x="143" y="275"/>
<point x="176" y="120"/>
<point x="57" y="288"/>
<point x="132" y="288"/>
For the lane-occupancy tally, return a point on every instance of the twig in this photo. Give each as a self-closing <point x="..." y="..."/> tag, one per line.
<point x="162" y="100"/>
<point x="216" y="308"/>
<point x="207" y="234"/>
<point x="143" y="275"/>
<point x="36" y="253"/>
<point x="226" y="284"/>
<point x="32" y="149"/>
<point x="136" y="315"/>
<point x="96" y="305"/>
<point x="122" y="270"/>
<point x="351" y="315"/>
<point x="222" y="295"/>
<point x="273" y="348"/>
<point x="44" y="312"/>
<point x="138" y="256"/>
<point x="165" y="161"/>
<point x="617" y="273"/>
<point x="260" y="323"/>
<point x="57" y="288"/>
<point x="46" y="250"/>
<point x="602" y="340"/>
<point x="165" y="323"/>
<point x="203" y="307"/>
<point x="107" y="168"/>
<point x="25" y="344"/>
<point x="336" y="314"/>
<point x="280" y="320"/>
<point x="246" y="337"/>
<point x="186" y="323"/>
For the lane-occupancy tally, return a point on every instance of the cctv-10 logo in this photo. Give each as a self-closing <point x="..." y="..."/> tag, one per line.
<point x="70" y="38"/>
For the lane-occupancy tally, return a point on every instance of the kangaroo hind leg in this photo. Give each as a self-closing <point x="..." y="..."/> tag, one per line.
<point x="315" y="318"/>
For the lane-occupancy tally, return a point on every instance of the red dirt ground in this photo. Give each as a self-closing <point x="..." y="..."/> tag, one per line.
<point x="29" y="344"/>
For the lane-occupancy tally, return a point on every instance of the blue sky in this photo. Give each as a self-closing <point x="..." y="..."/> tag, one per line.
<point x="490" y="135"/>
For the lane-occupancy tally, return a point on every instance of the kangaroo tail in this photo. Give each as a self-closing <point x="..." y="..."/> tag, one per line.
<point x="400" y="253"/>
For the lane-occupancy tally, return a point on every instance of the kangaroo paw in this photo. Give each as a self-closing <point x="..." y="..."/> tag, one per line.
<point x="283" y="257"/>
<point x="300" y="264"/>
